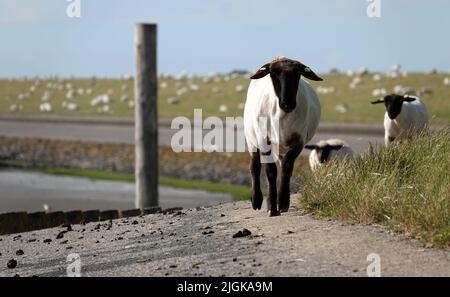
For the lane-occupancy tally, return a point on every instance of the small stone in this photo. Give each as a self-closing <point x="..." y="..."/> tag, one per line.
<point x="60" y="234"/>
<point x="48" y="240"/>
<point x="12" y="264"/>
<point x="68" y="226"/>
<point x="134" y="223"/>
<point x="19" y="252"/>
<point x="245" y="232"/>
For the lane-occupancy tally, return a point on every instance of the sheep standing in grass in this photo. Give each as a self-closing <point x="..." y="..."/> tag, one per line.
<point x="289" y="105"/>
<point x="327" y="150"/>
<point x="404" y="115"/>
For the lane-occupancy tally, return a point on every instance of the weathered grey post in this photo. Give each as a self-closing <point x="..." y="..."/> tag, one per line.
<point x="146" y="117"/>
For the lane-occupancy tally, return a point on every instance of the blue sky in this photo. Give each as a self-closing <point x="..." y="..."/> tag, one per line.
<point x="203" y="36"/>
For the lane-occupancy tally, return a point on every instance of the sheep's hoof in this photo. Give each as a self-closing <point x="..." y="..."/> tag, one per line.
<point x="283" y="206"/>
<point x="273" y="213"/>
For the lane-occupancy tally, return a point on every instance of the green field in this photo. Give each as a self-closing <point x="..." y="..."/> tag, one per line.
<point x="357" y="100"/>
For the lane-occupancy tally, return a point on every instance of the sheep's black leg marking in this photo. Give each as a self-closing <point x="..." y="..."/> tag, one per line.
<point x="271" y="172"/>
<point x="255" y="171"/>
<point x="287" y="166"/>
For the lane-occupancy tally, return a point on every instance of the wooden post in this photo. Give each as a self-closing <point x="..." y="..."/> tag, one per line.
<point x="146" y="117"/>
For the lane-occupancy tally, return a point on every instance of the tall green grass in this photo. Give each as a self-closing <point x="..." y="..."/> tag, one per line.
<point x="405" y="186"/>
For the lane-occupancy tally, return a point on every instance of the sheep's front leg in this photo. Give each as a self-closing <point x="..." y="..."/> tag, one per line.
<point x="271" y="172"/>
<point x="388" y="139"/>
<point x="287" y="166"/>
<point x="255" y="171"/>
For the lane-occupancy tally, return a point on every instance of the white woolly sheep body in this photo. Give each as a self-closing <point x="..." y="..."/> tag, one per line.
<point x="340" y="153"/>
<point x="412" y="118"/>
<point x="263" y="102"/>
<point x="281" y="114"/>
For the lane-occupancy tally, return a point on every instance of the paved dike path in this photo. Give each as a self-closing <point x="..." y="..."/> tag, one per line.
<point x="200" y="242"/>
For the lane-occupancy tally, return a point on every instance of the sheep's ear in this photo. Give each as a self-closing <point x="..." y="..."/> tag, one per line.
<point x="377" y="101"/>
<point x="308" y="73"/>
<point x="310" y="146"/>
<point x="408" y="98"/>
<point x="263" y="71"/>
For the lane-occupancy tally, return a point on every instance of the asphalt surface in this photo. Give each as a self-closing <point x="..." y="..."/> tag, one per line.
<point x="358" y="139"/>
<point x="29" y="191"/>
<point x="199" y="242"/>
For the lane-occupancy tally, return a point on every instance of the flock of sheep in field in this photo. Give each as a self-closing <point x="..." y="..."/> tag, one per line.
<point x="60" y="94"/>
<point x="102" y="103"/>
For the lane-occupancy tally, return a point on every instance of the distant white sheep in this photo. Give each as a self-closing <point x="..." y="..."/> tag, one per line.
<point x="101" y="99"/>
<point x="194" y="87"/>
<point x="376" y="77"/>
<point x="379" y="92"/>
<point x="326" y="150"/>
<point x="124" y="98"/>
<point x="16" y="107"/>
<point x="325" y="90"/>
<point x="405" y="114"/>
<point x="240" y="88"/>
<point x="172" y="100"/>
<point x="71" y="106"/>
<point x="355" y="82"/>
<point x="223" y="108"/>
<point x="46" y="96"/>
<point x="401" y="90"/>
<point x="70" y="94"/>
<point x="45" y="107"/>
<point x="182" y="91"/>
<point x="341" y="108"/>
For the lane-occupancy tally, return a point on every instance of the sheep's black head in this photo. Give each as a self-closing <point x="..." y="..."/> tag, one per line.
<point x="324" y="151"/>
<point x="394" y="103"/>
<point x="285" y="75"/>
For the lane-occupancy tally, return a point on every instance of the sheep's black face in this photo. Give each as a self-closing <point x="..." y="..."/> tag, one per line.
<point x="393" y="104"/>
<point x="285" y="77"/>
<point x="324" y="151"/>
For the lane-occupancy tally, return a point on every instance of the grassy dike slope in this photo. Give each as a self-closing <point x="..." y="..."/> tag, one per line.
<point x="405" y="187"/>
